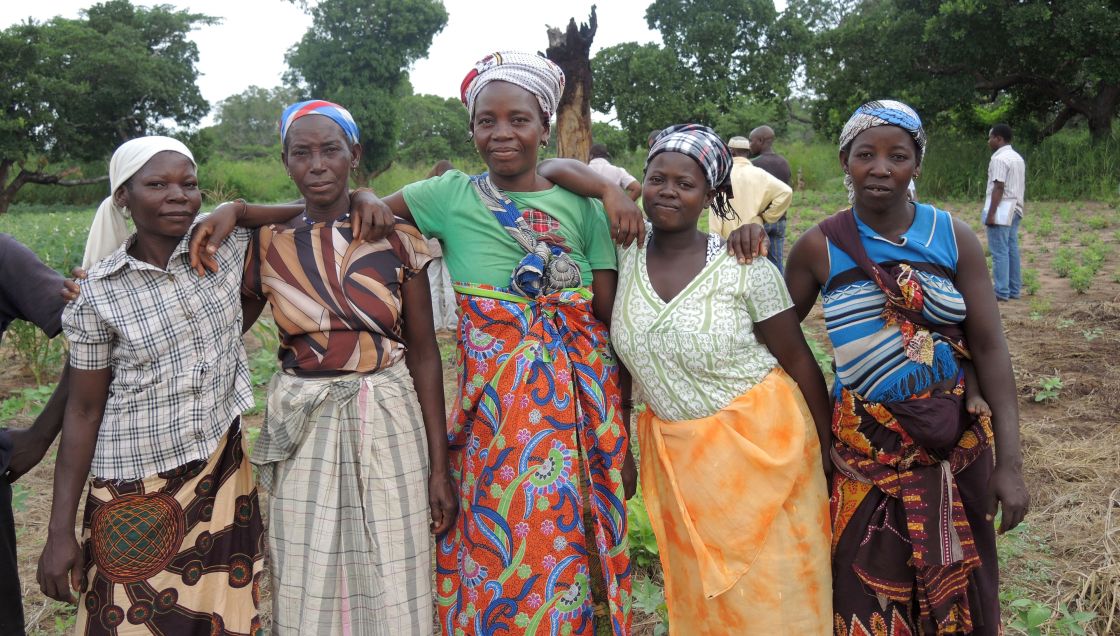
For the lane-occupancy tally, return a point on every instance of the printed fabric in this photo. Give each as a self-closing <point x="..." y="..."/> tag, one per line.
<point x="538" y="393"/>
<point x="912" y="552"/>
<point x="336" y="301"/>
<point x="530" y="71"/>
<point x="181" y="552"/>
<point x="694" y="355"/>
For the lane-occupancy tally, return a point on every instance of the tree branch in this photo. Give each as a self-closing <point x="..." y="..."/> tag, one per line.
<point x="1058" y="122"/>
<point x="794" y="116"/>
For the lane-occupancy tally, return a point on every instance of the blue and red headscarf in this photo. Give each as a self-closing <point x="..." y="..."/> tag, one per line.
<point x="336" y="113"/>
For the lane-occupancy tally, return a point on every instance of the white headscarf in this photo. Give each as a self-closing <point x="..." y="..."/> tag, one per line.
<point x="109" y="229"/>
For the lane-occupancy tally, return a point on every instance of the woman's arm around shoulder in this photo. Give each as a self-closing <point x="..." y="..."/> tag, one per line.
<point x="627" y="223"/>
<point x="983" y="330"/>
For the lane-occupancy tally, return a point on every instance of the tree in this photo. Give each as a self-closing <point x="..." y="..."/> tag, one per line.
<point x="733" y="48"/>
<point x="248" y="121"/>
<point x="571" y="50"/>
<point x="74" y="89"/>
<point x="357" y="54"/>
<point x="1050" y="62"/>
<point x="648" y="88"/>
<point x="435" y="128"/>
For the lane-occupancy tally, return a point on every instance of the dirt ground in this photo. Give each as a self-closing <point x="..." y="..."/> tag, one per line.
<point x="1066" y="556"/>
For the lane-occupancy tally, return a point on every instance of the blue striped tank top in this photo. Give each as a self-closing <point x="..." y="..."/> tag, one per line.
<point x="870" y="355"/>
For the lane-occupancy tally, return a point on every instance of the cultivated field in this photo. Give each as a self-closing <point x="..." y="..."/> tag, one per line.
<point x="1061" y="568"/>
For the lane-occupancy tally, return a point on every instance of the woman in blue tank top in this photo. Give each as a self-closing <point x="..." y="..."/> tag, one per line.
<point x="907" y="301"/>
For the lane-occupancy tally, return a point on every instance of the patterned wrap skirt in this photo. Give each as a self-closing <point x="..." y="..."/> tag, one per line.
<point x="538" y="387"/>
<point x="178" y="553"/>
<point x="346" y="465"/>
<point x="739" y="506"/>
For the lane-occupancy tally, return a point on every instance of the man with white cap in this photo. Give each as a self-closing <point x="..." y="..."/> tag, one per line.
<point x="757" y="197"/>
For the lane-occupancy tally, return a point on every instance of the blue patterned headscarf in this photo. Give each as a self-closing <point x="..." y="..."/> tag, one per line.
<point x="337" y="114"/>
<point x="704" y="147"/>
<point x="882" y="112"/>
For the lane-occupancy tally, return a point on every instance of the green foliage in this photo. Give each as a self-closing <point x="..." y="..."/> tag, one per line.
<point x="259" y="180"/>
<point x="1064" y="262"/>
<point x="1030" y="281"/>
<point x="357" y="54"/>
<point x="1036" y="63"/>
<point x="612" y="137"/>
<point x="37" y="353"/>
<point x="643" y="544"/>
<point x="248" y="121"/>
<point x="1081" y="278"/>
<point x="1049" y="388"/>
<point x="76" y="88"/>
<point x="19" y="497"/>
<point x="649" y="597"/>
<point x="435" y="128"/>
<point x="25" y="401"/>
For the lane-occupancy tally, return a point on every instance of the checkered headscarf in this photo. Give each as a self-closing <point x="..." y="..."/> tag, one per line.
<point x="336" y="113"/>
<point x="882" y="112"/>
<point x="705" y="147"/>
<point x="536" y="74"/>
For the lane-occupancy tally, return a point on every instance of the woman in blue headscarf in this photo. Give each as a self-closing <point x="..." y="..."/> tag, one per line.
<point x="906" y="300"/>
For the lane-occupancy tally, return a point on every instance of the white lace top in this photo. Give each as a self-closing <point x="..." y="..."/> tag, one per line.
<point x="694" y="355"/>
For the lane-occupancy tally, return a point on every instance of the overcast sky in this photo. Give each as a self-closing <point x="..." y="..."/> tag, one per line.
<point x="248" y="47"/>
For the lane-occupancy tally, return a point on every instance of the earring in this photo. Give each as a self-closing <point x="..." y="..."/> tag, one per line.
<point x="544" y="143"/>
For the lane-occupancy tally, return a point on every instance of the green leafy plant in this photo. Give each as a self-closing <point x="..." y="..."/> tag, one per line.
<point x="19" y="497"/>
<point x="649" y="597"/>
<point x="643" y="544"/>
<point x="1049" y="388"/>
<point x="39" y="354"/>
<point x="1092" y="333"/>
<point x="25" y="401"/>
<point x="1081" y="278"/>
<point x="1030" y="281"/>
<point x="1064" y="262"/>
<point x="1029" y="616"/>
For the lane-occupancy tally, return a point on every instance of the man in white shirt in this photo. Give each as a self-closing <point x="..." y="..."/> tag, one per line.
<point x="757" y="197"/>
<point x="1007" y="183"/>
<point x="600" y="162"/>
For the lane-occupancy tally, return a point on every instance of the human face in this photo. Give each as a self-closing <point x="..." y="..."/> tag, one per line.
<point x="882" y="161"/>
<point x="757" y="144"/>
<point x="674" y="192"/>
<point x="163" y="196"/>
<point x="994" y="140"/>
<point x="319" y="159"/>
<point x="508" y="129"/>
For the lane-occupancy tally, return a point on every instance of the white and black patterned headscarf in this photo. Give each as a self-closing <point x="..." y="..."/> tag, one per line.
<point x="882" y="112"/>
<point x="536" y="74"/>
<point x="705" y="147"/>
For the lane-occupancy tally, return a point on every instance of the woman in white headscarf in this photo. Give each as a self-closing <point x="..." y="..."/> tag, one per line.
<point x="172" y="539"/>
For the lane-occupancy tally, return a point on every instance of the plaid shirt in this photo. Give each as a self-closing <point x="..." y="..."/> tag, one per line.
<point x="173" y="341"/>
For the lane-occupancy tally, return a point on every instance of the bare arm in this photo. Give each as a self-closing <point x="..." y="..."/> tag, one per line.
<point x="626" y="220"/>
<point x="990" y="356"/>
<point x="60" y="566"/>
<point x="422" y="358"/>
<point x="604" y="283"/>
<point x="807" y="270"/>
<point x="29" y="446"/>
<point x="783" y="335"/>
<point x="634" y="189"/>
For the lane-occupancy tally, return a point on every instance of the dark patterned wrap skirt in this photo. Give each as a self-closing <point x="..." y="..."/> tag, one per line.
<point x="178" y="553"/>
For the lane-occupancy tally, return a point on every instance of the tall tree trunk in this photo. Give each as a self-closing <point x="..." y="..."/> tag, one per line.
<point x="1104" y="108"/>
<point x="571" y="50"/>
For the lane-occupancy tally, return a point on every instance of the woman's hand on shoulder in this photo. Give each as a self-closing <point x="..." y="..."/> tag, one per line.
<point x="70" y="290"/>
<point x="627" y="222"/>
<point x="747" y="242"/>
<point x="371" y="218"/>
<point x="209" y="233"/>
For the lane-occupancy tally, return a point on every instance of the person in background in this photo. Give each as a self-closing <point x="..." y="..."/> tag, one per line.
<point x="757" y="197"/>
<point x="26" y="286"/>
<point x="1003" y="210"/>
<point x="444" y="317"/>
<point x="763" y="156"/>
<point x="600" y="163"/>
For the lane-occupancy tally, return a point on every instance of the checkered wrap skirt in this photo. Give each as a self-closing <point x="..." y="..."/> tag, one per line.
<point x="346" y="464"/>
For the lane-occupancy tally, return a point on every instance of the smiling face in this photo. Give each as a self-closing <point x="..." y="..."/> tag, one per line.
<point x="508" y="129"/>
<point x="319" y="158"/>
<point x="882" y="161"/>
<point x="675" y="192"/>
<point x="163" y="196"/>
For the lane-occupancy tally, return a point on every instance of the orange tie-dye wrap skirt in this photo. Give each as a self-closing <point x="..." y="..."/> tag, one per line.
<point x="739" y="506"/>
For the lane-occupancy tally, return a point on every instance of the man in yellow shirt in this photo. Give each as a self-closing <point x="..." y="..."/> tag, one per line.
<point x="757" y="197"/>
